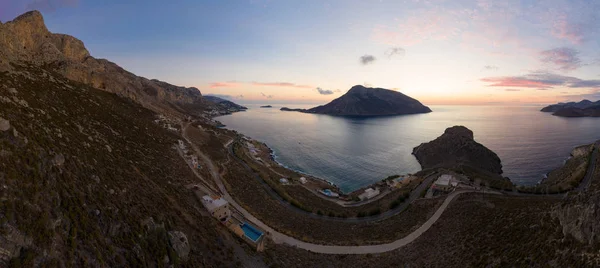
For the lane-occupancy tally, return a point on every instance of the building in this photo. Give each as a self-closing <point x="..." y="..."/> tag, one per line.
<point x="194" y="160"/>
<point x="217" y="206"/>
<point x="181" y="144"/>
<point x="444" y="183"/>
<point x="284" y="181"/>
<point x="369" y="193"/>
<point x="327" y="192"/>
<point x="302" y="180"/>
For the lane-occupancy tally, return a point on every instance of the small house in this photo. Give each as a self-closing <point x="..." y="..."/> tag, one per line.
<point x="217" y="206"/>
<point x="302" y="180"/>
<point x="284" y="181"/>
<point x="369" y="193"/>
<point x="443" y="183"/>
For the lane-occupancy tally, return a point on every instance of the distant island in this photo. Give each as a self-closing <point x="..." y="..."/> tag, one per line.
<point x="266" y="106"/>
<point x="584" y="108"/>
<point x="286" y="109"/>
<point x="365" y="101"/>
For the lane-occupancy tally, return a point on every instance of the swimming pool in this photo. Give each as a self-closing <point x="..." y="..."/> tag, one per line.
<point x="251" y="232"/>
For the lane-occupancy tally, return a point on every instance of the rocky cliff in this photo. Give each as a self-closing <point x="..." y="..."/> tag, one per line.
<point x="584" y="108"/>
<point x="26" y="40"/>
<point x="579" y="217"/>
<point x="457" y="147"/>
<point x="363" y="101"/>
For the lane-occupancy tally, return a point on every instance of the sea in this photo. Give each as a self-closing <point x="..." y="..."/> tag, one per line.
<point x="353" y="152"/>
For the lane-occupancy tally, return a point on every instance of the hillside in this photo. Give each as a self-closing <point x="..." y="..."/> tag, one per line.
<point x="88" y="178"/>
<point x="226" y="105"/>
<point x="363" y="101"/>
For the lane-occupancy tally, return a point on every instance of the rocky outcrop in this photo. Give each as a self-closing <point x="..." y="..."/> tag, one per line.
<point x="579" y="217"/>
<point x="27" y="40"/>
<point x="457" y="147"/>
<point x="4" y="124"/>
<point x="226" y="104"/>
<point x="180" y="244"/>
<point x="364" y="101"/>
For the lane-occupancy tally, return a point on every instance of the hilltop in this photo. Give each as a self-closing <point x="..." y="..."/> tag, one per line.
<point x="365" y="101"/>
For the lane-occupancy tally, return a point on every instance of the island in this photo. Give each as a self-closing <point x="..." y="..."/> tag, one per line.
<point x="365" y="101"/>
<point x="286" y="109"/>
<point x="266" y="106"/>
<point x="584" y="108"/>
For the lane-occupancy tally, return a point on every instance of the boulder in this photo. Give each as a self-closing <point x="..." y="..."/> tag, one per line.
<point x="4" y="124"/>
<point x="180" y="244"/>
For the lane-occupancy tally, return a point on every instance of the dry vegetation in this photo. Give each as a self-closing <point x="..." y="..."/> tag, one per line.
<point x="475" y="231"/>
<point x="81" y="170"/>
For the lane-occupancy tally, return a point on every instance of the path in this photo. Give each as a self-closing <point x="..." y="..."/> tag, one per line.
<point x="587" y="180"/>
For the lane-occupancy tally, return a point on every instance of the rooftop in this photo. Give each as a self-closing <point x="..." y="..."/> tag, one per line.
<point x="213" y="202"/>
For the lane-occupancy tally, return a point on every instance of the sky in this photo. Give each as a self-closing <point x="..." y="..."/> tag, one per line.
<point x="477" y="52"/>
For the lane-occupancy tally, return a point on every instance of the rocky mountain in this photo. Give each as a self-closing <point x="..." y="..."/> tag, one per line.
<point x="364" y="101"/>
<point x="584" y="108"/>
<point x="456" y="147"/>
<point x="225" y="104"/>
<point x="27" y="40"/>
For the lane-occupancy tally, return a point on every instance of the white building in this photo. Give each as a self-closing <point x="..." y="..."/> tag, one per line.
<point x="369" y="193"/>
<point x="302" y="180"/>
<point x="444" y="183"/>
<point x="181" y="144"/>
<point x="218" y="207"/>
<point x="284" y="181"/>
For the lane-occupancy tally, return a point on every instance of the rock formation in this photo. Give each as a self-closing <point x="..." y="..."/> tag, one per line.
<point x="457" y="147"/>
<point x="26" y="40"/>
<point x="363" y="101"/>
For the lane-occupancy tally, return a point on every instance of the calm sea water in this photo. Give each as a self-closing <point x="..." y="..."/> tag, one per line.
<point x="355" y="152"/>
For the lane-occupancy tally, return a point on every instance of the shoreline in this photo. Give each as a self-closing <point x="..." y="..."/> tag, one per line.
<point x="274" y="157"/>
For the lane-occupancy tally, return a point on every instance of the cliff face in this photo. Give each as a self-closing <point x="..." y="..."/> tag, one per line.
<point x="362" y="101"/>
<point x="584" y="108"/>
<point x="27" y="40"/>
<point x="579" y="217"/>
<point x="457" y="147"/>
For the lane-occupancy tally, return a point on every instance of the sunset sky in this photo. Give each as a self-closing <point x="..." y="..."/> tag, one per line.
<point x="437" y="51"/>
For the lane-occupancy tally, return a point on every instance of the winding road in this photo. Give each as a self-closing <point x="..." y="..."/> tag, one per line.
<point x="280" y="238"/>
<point x="587" y="180"/>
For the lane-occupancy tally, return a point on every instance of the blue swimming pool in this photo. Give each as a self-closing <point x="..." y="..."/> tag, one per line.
<point x="251" y="232"/>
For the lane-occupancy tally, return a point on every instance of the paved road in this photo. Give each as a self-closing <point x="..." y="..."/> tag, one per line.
<point x="587" y="180"/>
<point x="414" y="195"/>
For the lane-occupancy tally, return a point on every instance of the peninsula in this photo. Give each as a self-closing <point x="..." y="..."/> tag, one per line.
<point x="584" y="108"/>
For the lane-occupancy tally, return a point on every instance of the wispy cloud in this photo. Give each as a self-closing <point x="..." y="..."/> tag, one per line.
<point x="367" y="59"/>
<point x="230" y="84"/>
<point x="50" y="5"/>
<point x="565" y="59"/>
<point x="266" y="96"/>
<point x="540" y="81"/>
<point x="511" y="89"/>
<point x="490" y="68"/>
<point x="234" y="84"/>
<point x="280" y="84"/>
<point x="395" y="51"/>
<point x="324" y="91"/>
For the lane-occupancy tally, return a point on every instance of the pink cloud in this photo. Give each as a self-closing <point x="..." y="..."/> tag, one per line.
<point x="509" y="81"/>
<point x="280" y="84"/>
<point x="566" y="59"/>
<point x="541" y="81"/>
<point x="224" y="84"/>
<point x="564" y="29"/>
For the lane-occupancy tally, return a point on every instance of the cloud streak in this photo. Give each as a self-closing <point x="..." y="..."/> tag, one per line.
<point x="234" y="84"/>
<point x="540" y="81"/>
<point x="367" y="59"/>
<point x="490" y="68"/>
<point x="395" y="51"/>
<point x="565" y="59"/>
<point x="280" y="84"/>
<point x="266" y="96"/>
<point x="323" y="91"/>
